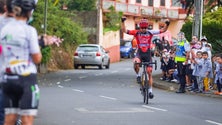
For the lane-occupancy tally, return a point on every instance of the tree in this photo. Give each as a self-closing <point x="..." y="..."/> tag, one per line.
<point x="212" y="28"/>
<point x="64" y="27"/>
<point x="188" y="5"/>
<point x="81" y="5"/>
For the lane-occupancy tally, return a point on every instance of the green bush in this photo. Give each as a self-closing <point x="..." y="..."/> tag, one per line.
<point x="112" y="20"/>
<point x="59" y="24"/>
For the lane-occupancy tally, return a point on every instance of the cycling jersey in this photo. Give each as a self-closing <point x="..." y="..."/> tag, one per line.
<point x="143" y="44"/>
<point x="18" y="45"/>
<point x="143" y="39"/>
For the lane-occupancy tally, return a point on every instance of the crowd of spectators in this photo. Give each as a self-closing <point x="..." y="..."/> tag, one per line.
<point x="203" y="70"/>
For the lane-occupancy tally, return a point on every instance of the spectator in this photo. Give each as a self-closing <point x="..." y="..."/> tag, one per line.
<point x="181" y="54"/>
<point x="218" y="74"/>
<point x="197" y="69"/>
<point x="205" y="72"/>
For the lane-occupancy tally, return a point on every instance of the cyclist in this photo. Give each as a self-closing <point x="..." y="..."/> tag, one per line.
<point x="143" y="37"/>
<point x="20" y="54"/>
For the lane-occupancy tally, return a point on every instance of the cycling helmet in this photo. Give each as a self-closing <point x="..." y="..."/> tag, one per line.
<point x="26" y="5"/>
<point x="143" y="23"/>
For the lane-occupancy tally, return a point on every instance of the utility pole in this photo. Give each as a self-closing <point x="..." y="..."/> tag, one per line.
<point x="45" y="16"/>
<point x="197" y="14"/>
<point x="201" y="17"/>
<point x="98" y="22"/>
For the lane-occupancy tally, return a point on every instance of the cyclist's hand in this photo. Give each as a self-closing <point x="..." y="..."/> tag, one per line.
<point x="123" y="19"/>
<point x="50" y="40"/>
<point x="167" y="22"/>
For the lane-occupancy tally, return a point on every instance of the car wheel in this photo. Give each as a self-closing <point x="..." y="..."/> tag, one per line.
<point x="130" y="55"/>
<point x="101" y="66"/>
<point x="108" y="64"/>
<point x="75" y="66"/>
<point x="83" y="66"/>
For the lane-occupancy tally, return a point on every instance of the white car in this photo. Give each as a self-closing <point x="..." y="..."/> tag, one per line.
<point x="91" y="55"/>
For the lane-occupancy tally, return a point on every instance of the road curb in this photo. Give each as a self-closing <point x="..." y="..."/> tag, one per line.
<point x="169" y="86"/>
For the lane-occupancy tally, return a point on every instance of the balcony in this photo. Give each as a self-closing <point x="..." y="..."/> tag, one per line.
<point x="139" y="10"/>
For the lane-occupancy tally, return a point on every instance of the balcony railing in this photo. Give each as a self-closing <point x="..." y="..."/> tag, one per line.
<point x="139" y="10"/>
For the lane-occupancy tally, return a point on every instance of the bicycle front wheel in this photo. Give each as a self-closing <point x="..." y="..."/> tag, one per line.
<point x="146" y="87"/>
<point x="142" y="87"/>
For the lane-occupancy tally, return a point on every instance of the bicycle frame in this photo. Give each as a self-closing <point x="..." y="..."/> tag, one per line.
<point x="145" y="80"/>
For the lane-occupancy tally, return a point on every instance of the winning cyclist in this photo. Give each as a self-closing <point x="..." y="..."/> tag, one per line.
<point x="143" y="37"/>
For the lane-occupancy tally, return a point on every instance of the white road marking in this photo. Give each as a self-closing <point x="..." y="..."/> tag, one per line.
<point x="77" y="90"/>
<point x="213" y="122"/>
<point x="129" y="110"/>
<point x="60" y="86"/>
<point x="149" y="107"/>
<point x="114" y="71"/>
<point x="99" y="74"/>
<point x="106" y="97"/>
<point x="66" y="80"/>
<point x="127" y="69"/>
<point x="82" y="77"/>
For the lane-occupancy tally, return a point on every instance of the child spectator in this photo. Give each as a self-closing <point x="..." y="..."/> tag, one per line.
<point x="206" y="71"/>
<point x="218" y="75"/>
<point x="197" y="68"/>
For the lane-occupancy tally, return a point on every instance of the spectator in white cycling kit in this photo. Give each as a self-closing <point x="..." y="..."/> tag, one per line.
<point x="20" y="49"/>
<point x="143" y="37"/>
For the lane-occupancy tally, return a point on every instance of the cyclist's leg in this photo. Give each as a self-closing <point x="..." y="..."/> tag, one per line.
<point x="136" y="65"/>
<point x="29" y="100"/>
<point x="11" y="94"/>
<point x="149" y="71"/>
<point x="10" y="119"/>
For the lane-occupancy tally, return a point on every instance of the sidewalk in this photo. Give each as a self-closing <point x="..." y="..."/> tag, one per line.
<point x="171" y="86"/>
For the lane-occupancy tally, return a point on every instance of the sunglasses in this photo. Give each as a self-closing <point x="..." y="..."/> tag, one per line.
<point x="143" y="27"/>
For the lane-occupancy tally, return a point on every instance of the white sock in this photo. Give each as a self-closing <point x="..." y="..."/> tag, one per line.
<point x="150" y="90"/>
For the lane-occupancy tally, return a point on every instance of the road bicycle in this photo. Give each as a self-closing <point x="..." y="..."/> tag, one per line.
<point x="145" y="80"/>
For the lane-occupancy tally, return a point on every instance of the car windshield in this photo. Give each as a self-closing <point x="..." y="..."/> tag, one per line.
<point x="88" y="48"/>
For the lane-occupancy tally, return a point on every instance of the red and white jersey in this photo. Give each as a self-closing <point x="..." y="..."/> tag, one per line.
<point x="143" y="38"/>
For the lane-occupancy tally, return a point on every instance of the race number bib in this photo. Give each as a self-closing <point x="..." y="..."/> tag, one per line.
<point x="19" y="67"/>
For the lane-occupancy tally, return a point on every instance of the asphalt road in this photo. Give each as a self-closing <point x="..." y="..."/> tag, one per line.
<point x="112" y="97"/>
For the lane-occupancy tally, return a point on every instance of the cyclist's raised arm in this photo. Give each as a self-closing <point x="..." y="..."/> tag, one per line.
<point x="123" y="27"/>
<point x="164" y="29"/>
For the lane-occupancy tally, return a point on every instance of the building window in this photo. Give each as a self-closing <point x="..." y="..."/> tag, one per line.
<point x="138" y="1"/>
<point x="150" y="2"/>
<point x="162" y="2"/>
<point x="176" y="3"/>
